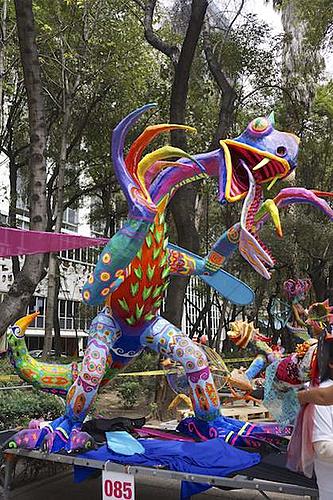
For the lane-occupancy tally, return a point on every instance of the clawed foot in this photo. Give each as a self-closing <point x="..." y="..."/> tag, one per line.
<point x="234" y="432"/>
<point x="61" y="434"/>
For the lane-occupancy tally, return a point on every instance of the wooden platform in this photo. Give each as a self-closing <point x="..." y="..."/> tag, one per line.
<point x="240" y="411"/>
<point x="247" y="412"/>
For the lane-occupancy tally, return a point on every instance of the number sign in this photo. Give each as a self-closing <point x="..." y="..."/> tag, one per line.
<point x="117" y="486"/>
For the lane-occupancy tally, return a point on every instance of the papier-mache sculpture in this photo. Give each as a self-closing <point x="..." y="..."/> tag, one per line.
<point x="132" y="273"/>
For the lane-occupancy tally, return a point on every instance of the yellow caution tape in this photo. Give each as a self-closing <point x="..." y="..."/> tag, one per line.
<point x="151" y="373"/>
<point x="146" y="374"/>
<point x="237" y="360"/>
<point x="8" y="378"/>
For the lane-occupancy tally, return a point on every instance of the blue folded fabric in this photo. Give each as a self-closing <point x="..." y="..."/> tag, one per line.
<point x="214" y="458"/>
<point x="124" y="443"/>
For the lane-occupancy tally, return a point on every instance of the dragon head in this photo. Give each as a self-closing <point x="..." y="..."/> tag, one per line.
<point x="260" y="155"/>
<point x="268" y="154"/>
<point x="20" y="326"/>
<point x="242" y="333"/>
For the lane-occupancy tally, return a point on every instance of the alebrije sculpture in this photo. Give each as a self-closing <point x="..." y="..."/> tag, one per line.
<point x="241" y="334"/>
<point x="300" y="367"/>
<point x="132" y="272"/>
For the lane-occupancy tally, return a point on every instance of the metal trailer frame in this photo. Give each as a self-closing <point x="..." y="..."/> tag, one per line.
<point x="11" y="456"/>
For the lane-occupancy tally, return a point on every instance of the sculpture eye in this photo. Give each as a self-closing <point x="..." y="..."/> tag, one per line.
<point x="281" y="151"/>
<point x="260" y="124"/>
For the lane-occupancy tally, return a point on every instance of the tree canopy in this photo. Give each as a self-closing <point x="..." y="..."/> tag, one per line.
<point x="100" y="59"/>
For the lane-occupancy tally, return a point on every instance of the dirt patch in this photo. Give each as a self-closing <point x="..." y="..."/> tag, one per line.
<point x="109" y="405"/>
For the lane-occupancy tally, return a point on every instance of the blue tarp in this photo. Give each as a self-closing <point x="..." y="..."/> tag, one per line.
<point x="213" y="457"/>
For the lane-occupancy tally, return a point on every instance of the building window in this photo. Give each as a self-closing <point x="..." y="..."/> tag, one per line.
<point x="70" y="220"/>
<point x="74" y="315"/>
<point x="81" y="255"/>
<point x="3" y="219"/>
<point x="37" y="304"/>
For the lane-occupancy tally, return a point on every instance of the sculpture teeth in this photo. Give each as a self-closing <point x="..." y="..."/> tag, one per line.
<point x="272" y="183"/>
<point x="261" y="164"/>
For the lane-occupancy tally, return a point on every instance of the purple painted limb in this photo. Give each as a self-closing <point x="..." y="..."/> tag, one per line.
<point x="172" y="178"/>
<point x="138" y="205"/>
<point x="166" y="339"/>
<point x="290" y="196"/>
<point x="147" y="432"/>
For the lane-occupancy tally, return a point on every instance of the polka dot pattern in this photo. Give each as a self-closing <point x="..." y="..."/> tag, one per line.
<point x="106" y="259"/>
<point x="105" y="276"/>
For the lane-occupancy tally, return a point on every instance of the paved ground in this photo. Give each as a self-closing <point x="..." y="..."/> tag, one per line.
<point x="62" y="488"/>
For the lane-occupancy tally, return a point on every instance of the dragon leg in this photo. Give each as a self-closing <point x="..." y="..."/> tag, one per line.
<point x="258" y="365"/>
<point x="166" y="339"/>
<point x="64" y="432"/>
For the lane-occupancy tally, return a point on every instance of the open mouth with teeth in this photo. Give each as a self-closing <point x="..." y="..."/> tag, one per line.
<point x="264" y="166"/>
<point x="251" y="247"/>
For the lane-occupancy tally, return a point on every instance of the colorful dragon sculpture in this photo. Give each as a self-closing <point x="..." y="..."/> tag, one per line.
<point x="284" y="374"/>
<point x="242" y="334"/>
<point x="131" y="274"/>
<point x="293" y="371"/>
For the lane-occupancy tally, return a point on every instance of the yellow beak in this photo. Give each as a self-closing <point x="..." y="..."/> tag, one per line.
<point x="269" y="206"/>
<point x="24" y="322"/>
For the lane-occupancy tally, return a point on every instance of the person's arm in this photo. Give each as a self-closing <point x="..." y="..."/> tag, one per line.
<point x="324" y="451"/>
<point x="322" y="433"/>
<point x="318" y="396"/>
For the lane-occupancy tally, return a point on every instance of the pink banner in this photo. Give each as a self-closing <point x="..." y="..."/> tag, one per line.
<point x="22" y="242"/>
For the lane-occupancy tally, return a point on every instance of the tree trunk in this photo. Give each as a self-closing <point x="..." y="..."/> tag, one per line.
<point x="319" y="280"/>
<point x="2" y="60"/>
<point x="226" y="117"/>
<point x="183" y="204"/>
<point x="56" y="323"/>
<point x="53" y="289"/>
<point x="301" y="68"/>
<point x="12" y="207"/>
<point x="330" y="285"/>
<point x="19" y="295"/>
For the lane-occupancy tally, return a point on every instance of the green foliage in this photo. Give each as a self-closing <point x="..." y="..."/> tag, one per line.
<point x="319" y="17"/>
<point x="132" y="390"/>
<point x="129" y="393"/>
<point x="5" y="367"/>
<point x="19" y="406"/>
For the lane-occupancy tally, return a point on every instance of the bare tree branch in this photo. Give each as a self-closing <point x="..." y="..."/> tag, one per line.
<point x="214" y="66"/>
<point x="171" y="51"/>
<point x="234" y="20"/>
<point x="92" y="105"/>
<point x="139" y="3"/>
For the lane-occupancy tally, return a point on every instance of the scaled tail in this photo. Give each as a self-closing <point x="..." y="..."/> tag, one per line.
<point x="53" y="378"/>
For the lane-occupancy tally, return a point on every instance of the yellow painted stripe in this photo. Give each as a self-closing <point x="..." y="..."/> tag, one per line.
<point x="231" y="433"/>
<point x="245" y="426"/>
